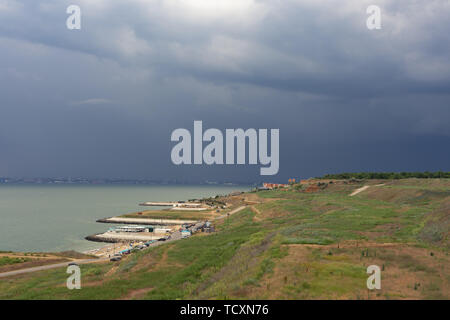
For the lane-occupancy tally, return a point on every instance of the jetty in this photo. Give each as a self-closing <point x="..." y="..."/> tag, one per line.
<point x="111" y="237"/>
<point x="179" y="205"/>
<point x="158" y="204"/>
<point x="146" y="221"/>
<point x="145" y="229"/>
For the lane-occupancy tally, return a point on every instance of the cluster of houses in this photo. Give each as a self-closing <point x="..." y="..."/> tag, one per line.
<point x="188" y="229"/>
<point x="271" y="186"/>
<point x="138" y="229"/>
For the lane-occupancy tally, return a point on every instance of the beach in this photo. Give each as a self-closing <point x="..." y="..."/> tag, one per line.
<point x="52" y="218"/>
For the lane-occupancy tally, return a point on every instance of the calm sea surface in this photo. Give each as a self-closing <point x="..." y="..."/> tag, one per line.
<point x="57" y="218"/>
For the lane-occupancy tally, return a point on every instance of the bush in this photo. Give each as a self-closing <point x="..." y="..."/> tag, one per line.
<point x="387" y="175"/>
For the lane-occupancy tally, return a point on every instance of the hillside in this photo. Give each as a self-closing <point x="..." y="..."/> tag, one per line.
<point x="310" y="241"/>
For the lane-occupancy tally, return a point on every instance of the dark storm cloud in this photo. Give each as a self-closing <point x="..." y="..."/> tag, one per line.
<point x="103" y="100"/>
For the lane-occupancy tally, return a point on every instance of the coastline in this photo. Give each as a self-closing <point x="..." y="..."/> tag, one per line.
<point x="108" y="249"/>
<point x="55" y="218"/>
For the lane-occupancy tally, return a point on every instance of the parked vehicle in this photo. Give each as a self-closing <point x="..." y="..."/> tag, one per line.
<point x="115" y="259"/>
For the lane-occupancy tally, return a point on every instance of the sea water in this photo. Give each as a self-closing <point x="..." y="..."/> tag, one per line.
<point x="54" y="218"/>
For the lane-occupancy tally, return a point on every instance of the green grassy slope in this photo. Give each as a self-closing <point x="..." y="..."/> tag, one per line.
<point x="293" y="245"/>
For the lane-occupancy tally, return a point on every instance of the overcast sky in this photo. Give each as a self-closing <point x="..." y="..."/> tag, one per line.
<point x="102" y="101"/>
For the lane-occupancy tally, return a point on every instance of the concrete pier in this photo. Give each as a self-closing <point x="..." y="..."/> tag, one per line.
<point x="146" y="221"/>
<point x="110" y="237"/>
<point x="158" y="204"/>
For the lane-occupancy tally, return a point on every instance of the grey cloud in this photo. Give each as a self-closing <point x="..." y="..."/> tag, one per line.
<point x="92" y="101"/>
<point x="310" y="68"/>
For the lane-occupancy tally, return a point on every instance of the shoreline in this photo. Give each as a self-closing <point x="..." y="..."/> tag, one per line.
<point x="107" y="243"/>
<point x="145" y="221"/>
<point x="64" y="224"/>
<point x="108" y="249"/>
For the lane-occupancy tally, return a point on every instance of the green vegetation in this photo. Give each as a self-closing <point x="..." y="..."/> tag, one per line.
<point x="292" y="245"/>
<point x="12" y="260"/>
<point x="194" y="262"/>
<point x="170" y="214"/>
<point x="213" y="202"/>
<point x="388" y="175"/>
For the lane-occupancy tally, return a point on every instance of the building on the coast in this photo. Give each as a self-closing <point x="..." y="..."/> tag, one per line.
<point x="185" y="233"/>
<point x="162" y="230"/>
<point x="187" y="205"/>
<point x="274" y="185"/>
